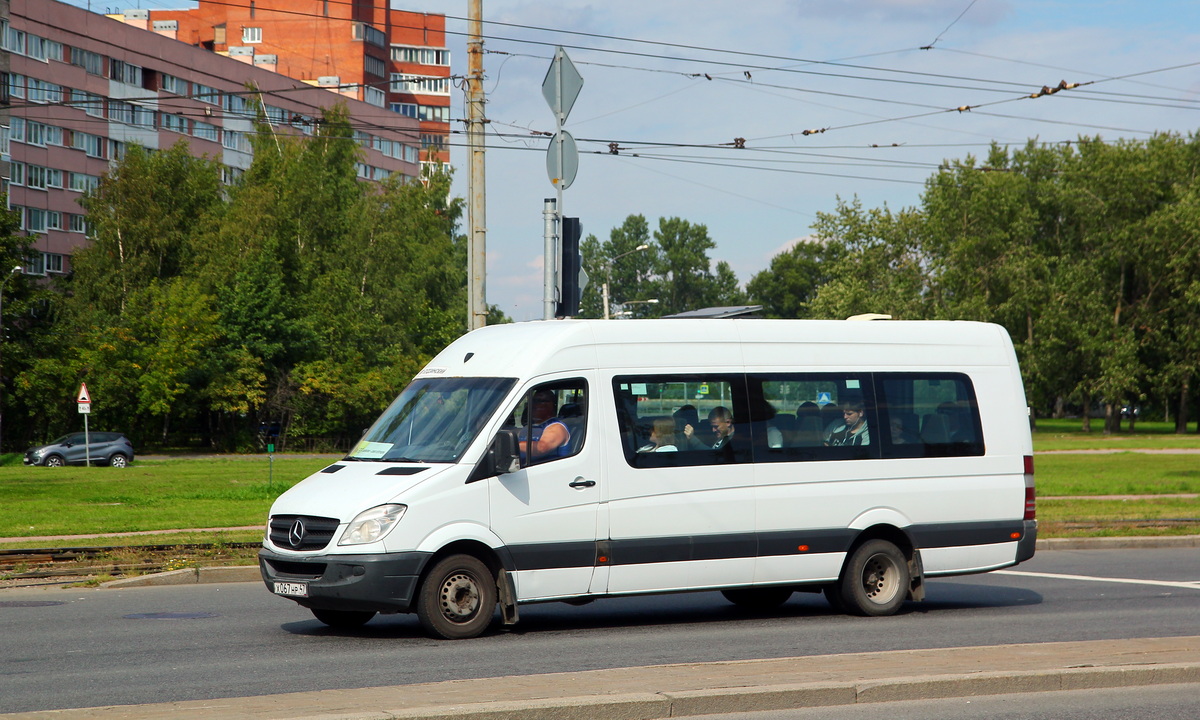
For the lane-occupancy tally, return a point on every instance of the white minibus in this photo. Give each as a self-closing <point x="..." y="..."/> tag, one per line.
<point x="572" y="460"/>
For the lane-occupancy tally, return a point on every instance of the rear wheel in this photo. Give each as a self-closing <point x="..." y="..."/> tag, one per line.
<point x="54" y="461"/>
<point x="118" y="460"/>
<point x="758" y="598"/>
<point x="458" y="598"/>
<point x="343" y="619"/>
<point x="875" y="581"/>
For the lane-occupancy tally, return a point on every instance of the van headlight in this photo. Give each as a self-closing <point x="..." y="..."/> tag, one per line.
<point x="371" y="525"/>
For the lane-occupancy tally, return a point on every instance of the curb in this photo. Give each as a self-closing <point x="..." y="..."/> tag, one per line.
<point x="190" y="576"/>
<point x="388" y="703"/>
<point x="1120" y="543"/>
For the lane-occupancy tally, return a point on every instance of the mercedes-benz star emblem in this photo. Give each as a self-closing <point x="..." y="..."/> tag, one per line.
<point x="296" y="534"/>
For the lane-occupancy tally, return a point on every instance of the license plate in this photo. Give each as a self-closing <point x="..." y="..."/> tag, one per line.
<point x="291" y="589"/>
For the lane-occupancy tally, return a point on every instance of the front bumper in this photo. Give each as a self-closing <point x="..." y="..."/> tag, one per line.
<point x="376" y="583"/>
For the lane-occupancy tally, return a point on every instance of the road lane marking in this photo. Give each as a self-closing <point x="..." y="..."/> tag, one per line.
<point x="1194" y="585"/>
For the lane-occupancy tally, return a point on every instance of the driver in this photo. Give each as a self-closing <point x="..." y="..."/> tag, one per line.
<point x="549" y="437"/>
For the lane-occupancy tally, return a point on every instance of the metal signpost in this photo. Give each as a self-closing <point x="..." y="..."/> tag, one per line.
<point x="85" y="409"/>
<point x="560" y="88"/>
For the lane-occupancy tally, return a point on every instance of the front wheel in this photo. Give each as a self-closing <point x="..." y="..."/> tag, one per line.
<point x="343" y="619"/>
<point x="875" y="581"/>
<point x="457" y="599"/>
<point x="54" y="461"/>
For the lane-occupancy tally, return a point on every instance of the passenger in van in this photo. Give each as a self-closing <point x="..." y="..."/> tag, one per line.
<point x="810" y="431"/>
<point x="900" y="434"/>
<point x="550" y="435"/>
<point x="662" y="437"/>
<point x="721" y="421"/>
<point x="853" y="430"/>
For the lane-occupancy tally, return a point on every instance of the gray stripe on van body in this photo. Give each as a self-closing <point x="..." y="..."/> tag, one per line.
<point x="685" y="548"/>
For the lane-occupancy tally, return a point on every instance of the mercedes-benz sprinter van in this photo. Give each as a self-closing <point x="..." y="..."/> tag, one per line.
<point x="577" y="459"/>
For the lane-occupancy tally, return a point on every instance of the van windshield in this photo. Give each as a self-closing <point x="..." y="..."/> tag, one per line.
<point x="433" y="421"/>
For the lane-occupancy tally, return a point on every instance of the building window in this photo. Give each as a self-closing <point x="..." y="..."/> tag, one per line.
<point x="41" y="91"/>
<point x="374" y="66"/>
<point x="88" y="60"/>
<point x="35" y="221"/>
<point x="127" y="73"/>
<point x="231" y="175"/>
<point x="421" y="55"/>
<point x="434" y="113"/>
<point x="175" y="123"/>
<point x="5" y="134"/>
<point x="251" y="35"/>
<point x="374" y="36"/>
<point x="172" y="84"/>
<point x="275" y="115"/>
<point x="42" y="135"/>
<point x="405" y="109"/>
<point x="92" y="145"/>
<point x="41" y="48"/>
<point x="204" y="93"/>
<point x="16" y="85"/>
<point x="116" y="149"/>
<point x="204" y="131"/>
<point x="82" y="182"/>
<point x="53" y="262"/>
<point x="16" y="172"/>
<point x="77" y="223"/>
<point x="420" y="84"/>
<point x="14" y="40"/>
<point x="36" y="264"/>
<point x="433" y="141"/>
<point x="91" y="104"/>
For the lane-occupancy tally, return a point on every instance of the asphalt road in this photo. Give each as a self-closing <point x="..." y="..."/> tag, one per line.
<point x="85" y="648"/>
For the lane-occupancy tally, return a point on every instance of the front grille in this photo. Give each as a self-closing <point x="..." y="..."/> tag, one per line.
<point x="316" y="531"/>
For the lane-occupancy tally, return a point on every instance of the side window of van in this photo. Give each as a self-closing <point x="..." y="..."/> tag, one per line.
<point x="682" y="420"/>
<point x="551" y="421"/>
<point x="813" y="416"/>
<point x="929" y="415"/>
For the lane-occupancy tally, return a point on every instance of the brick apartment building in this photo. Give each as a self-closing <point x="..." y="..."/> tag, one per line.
<point x="81" y="86"/>
<point x="359" y="48"/>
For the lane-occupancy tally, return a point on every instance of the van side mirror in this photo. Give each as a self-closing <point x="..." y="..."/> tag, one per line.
<point x="503" y="456"/>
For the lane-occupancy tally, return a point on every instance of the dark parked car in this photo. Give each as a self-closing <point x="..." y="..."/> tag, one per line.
<point x="104" y="448"/>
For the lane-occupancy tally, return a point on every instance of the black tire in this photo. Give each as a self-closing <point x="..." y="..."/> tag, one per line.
<point x="343" y="619"/>
<point x="457" y="599"/>
<point x="118" y="461"/>
<point x="54" y="461"/>
<point x="760" y="599"/>
<point x="833" y="593"/>
<point x="875" y="581"/>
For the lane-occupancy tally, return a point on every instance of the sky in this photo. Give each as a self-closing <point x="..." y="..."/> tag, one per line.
<point x="892" y="89"/>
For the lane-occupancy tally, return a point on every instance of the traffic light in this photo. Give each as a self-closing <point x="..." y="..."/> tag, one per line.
<point x="571" y="277"/>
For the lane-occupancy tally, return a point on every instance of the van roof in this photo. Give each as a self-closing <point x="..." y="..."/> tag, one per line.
<point x="678" y="345"/>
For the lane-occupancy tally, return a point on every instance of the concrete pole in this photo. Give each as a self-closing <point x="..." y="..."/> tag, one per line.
<point x="476" y="209"/>
<point x="550" y="264"/>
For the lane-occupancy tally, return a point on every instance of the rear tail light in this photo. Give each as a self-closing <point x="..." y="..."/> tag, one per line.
<point x="1030" y="495"/>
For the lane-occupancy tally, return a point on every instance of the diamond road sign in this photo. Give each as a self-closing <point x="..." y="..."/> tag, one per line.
<point x="562" y="84"/>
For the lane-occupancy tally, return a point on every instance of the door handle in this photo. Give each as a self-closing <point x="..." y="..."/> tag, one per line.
<point x="581" y="483"/>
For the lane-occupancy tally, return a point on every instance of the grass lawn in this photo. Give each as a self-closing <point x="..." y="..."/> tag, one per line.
<point x="1067" y="435"/>
<point x="147" y="495"/>
<point x="237" y="491"/>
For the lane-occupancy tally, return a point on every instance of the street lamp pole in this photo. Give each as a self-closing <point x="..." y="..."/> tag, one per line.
<point x="3" y="285"/>
<point x="608" y="275"/>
